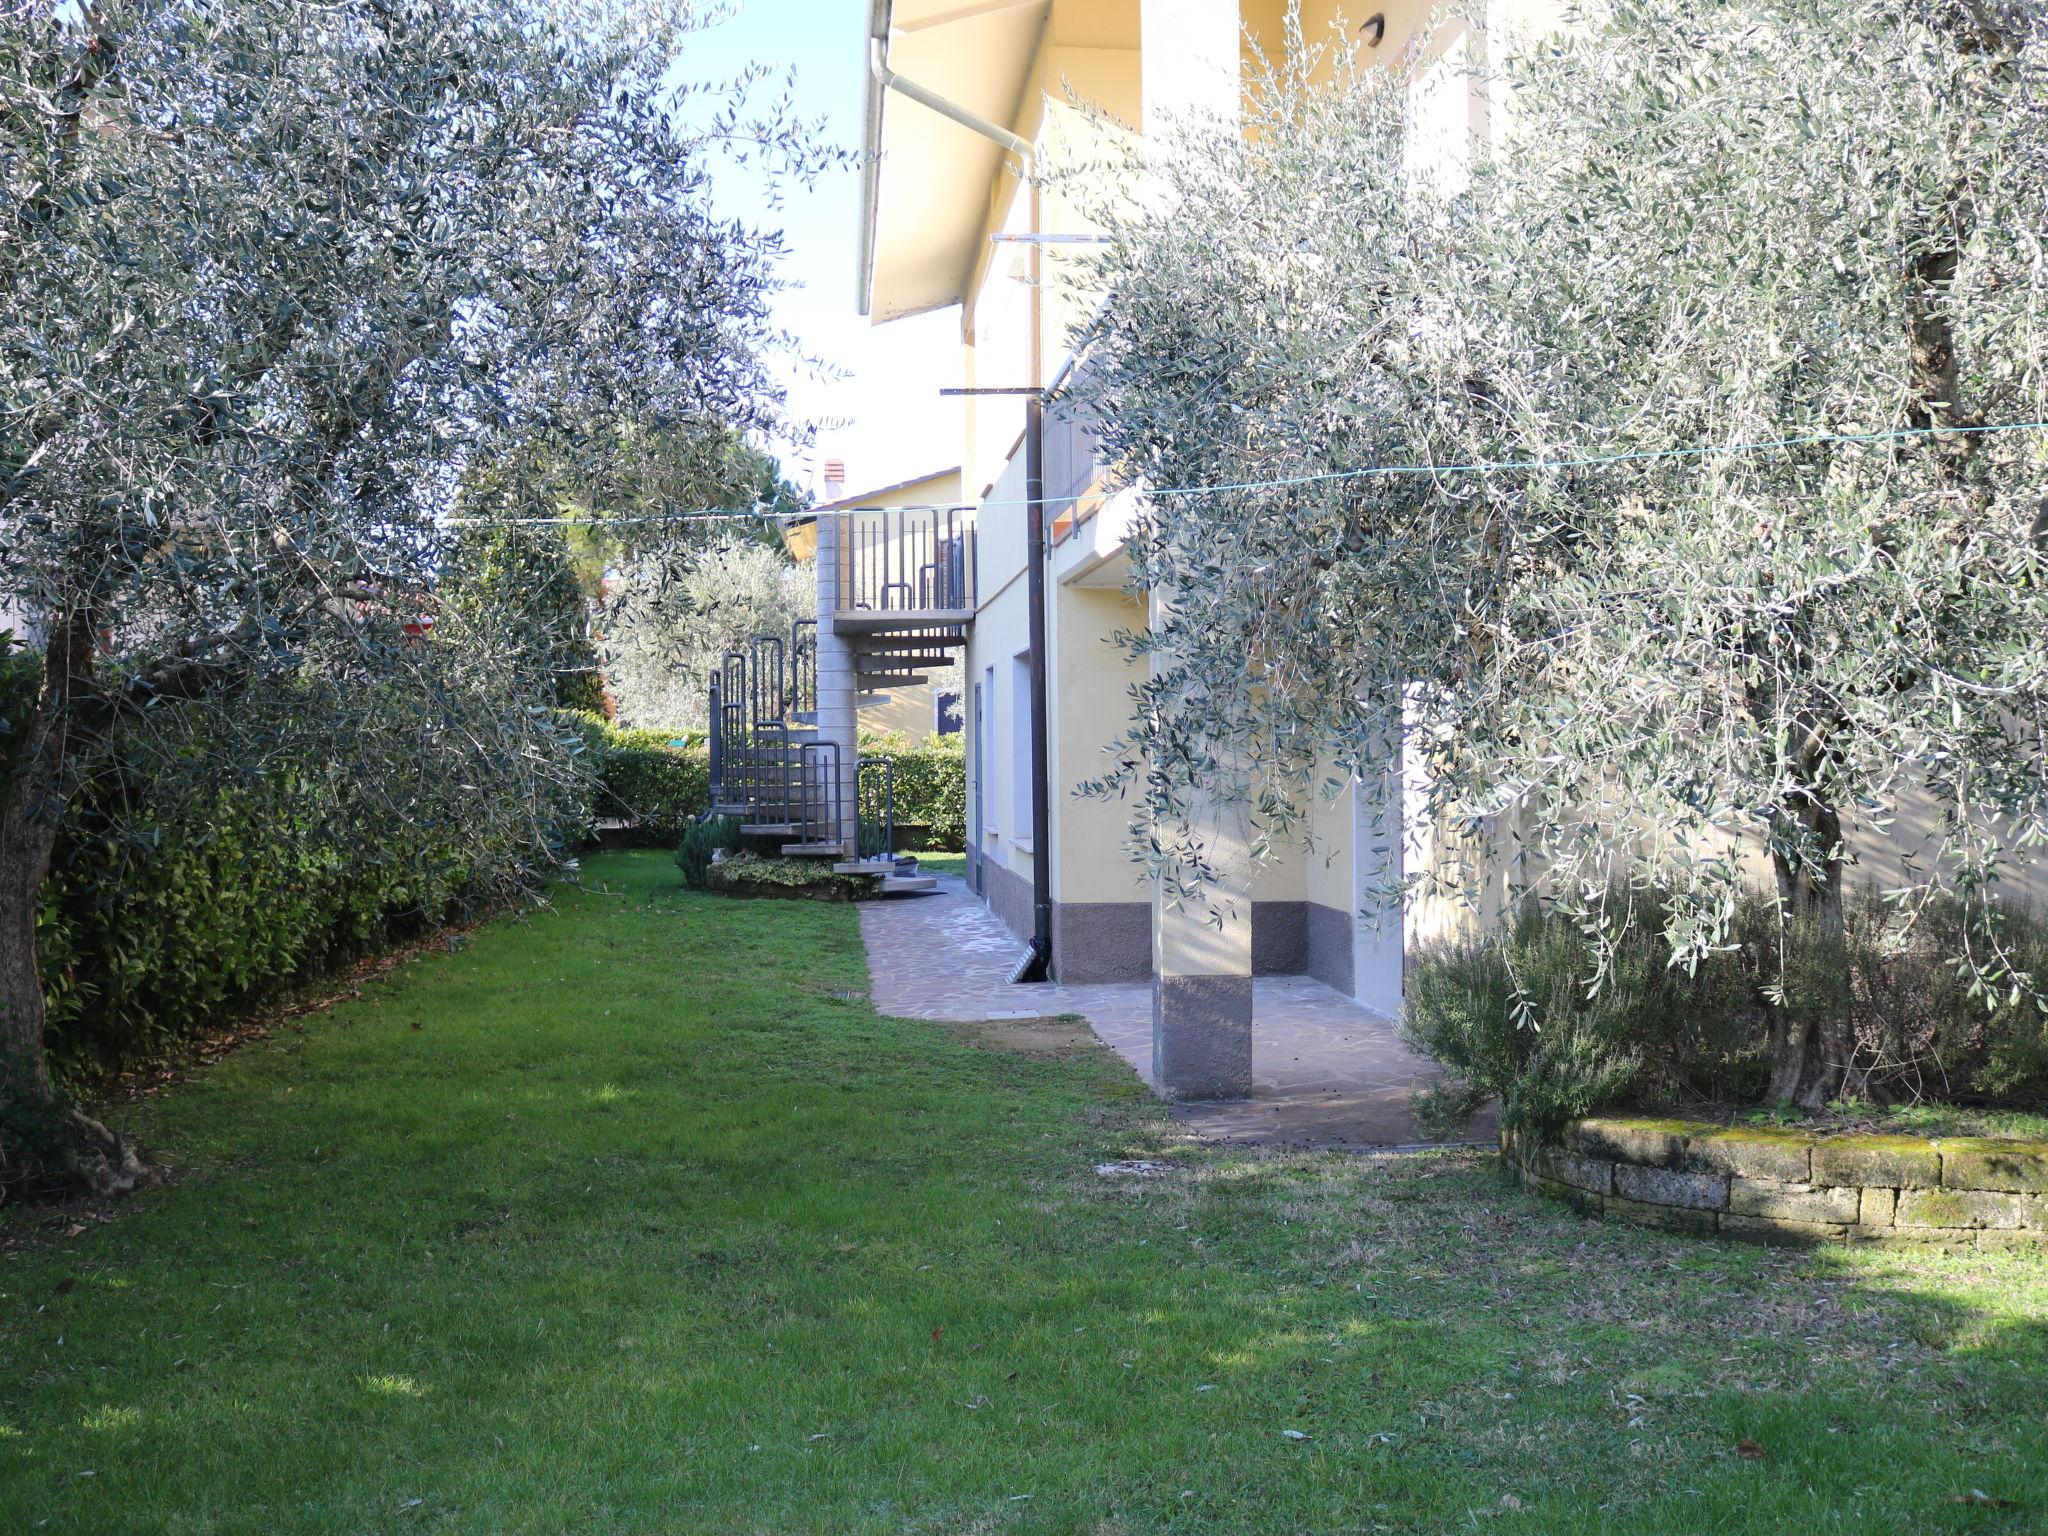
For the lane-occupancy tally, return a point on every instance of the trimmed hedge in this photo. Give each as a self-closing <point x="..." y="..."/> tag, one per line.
<point x="174" y="900"/>
<point x="200" y="904"/>
<point x="176" y="897"/>
<point x="644" y="779"/>
<point x="658" y="788"/>
<point x="931" y="792"/>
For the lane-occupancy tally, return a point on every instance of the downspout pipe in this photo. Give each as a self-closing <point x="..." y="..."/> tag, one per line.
<point x="1037" y="963"/>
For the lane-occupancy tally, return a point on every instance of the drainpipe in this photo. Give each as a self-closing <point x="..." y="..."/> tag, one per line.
<point x="1037" y="964"/>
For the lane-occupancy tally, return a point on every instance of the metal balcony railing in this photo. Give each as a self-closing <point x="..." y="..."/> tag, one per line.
<point x="907" y="560"/>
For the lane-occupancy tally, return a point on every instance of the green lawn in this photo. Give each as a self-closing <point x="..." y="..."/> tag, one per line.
<point x="633" y="1217"/>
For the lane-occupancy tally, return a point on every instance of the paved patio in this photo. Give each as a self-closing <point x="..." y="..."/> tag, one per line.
<point x="1325" y="1071"/>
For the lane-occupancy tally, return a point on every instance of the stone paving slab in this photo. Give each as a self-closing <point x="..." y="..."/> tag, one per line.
<point x="1325" y="1071"/>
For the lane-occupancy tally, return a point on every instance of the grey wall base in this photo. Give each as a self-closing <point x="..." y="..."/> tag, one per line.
<point x="1008" y="895"/>
<point x="1326" y="951"/>
<point x="1097" y="941"/>
<point x="1202" y="1036"/>
<point x="1279" y="937"/>
<point x="1111" y="941"/>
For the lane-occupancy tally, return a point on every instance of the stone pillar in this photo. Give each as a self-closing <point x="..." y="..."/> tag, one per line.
<point x="1378" y="932"/>
<point x="1202" y="965"/>
<point x="838" y="720"/>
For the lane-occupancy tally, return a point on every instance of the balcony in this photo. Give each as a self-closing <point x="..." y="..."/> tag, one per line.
<point x="1073" y="465"/>
<point x="905" y="568"/>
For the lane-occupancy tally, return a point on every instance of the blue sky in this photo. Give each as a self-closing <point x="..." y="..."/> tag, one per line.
<point x="890" y="421"/>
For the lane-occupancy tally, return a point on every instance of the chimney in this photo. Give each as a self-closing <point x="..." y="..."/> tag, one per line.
<point x="835" y="479"/>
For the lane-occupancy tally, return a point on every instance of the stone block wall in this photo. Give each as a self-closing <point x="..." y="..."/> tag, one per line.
<point x="1784" y="1187"/>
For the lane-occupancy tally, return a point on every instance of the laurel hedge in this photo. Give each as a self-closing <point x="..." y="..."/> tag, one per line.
<point x="178" y="898"/>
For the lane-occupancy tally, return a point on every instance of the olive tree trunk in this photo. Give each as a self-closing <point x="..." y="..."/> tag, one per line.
<point x="48" y="1147"/>
<point x="1813" y="1037"/>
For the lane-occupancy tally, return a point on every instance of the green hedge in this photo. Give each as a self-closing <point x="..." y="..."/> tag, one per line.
<point x="658" y="787"/>
<point x="931" y="787"/>
<point x="175" y="901"/>
<point x="644" y="778"/>
<point x="198" y="903"/>
<point x="177" y="897"/>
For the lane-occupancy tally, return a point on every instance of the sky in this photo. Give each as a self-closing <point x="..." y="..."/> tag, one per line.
<point x="883" y="416"/>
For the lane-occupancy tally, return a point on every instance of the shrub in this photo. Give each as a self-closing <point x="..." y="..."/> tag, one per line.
<point x="641" y="777"/>
<point x="1924" y="1027"/>
<point x="701" y="840"/>
<point x="749" y="874"/>
<point x="1518" y="1017"/>
<point x="931" y="788"/>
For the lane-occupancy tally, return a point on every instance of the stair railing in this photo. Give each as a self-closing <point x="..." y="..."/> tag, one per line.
<point x="875" y="832"/>
<point x="767" y="767"/>
<point x="803" y="667"/>
<point x="714" y="739"/>
<point x="767" y="695"/>
<point x="819" y="814"/>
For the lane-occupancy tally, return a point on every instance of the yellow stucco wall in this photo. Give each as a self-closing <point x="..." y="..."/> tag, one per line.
<point x="1090" y="702"/>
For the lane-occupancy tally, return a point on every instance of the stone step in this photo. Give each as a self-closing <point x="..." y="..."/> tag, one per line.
<point x="895" y="663"/>
<point x="908" y="885"/>
<point x="873" y="680"/>
<point x="812" y="850"/>
<point x="907" y="646"/>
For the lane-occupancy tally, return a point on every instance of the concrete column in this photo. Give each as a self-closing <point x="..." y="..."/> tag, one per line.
<point x="838" y="719"/>
<point x="1378" y="942"/>
<point x="1190" y="60"/>
<point x="1202" y="965"/>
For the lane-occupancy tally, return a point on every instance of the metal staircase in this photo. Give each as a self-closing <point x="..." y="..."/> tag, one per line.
<point x="785" y="785"/>
<point x="898" y="600"/>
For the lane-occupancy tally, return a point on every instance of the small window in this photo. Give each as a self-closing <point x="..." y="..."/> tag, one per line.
<point x="1020" y="749"/>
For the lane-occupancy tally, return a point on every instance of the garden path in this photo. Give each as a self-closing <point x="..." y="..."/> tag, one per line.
<point x="1326" y="1072"/>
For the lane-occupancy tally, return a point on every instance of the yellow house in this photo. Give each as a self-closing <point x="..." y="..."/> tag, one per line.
<point x="1020" y="568"/>
<point x="968" y="106"/>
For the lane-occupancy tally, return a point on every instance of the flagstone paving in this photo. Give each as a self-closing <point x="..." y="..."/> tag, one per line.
<point x="1325" y="1071"/>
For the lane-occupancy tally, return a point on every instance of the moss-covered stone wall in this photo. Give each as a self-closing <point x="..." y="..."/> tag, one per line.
<point x="1771" y="1186"/>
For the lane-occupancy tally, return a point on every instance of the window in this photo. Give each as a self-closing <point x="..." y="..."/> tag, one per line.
<point x="1020" y="748"/>
<point x="985" y="754"/>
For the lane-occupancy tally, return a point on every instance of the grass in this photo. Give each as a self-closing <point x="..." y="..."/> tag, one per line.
<point x="633" y="1217"/>
<point x="943" y="864"/>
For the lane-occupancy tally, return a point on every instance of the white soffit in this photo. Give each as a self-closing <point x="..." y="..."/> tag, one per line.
<point x="933" y="184"/>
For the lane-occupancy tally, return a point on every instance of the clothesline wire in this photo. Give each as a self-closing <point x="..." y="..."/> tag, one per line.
<point x="1284" y="482"/>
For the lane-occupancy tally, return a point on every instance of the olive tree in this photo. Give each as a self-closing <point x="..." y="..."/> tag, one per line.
<point x="669" y="621"/>
<point x="1647" y="474"/>
<point x="274" y="276"/>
